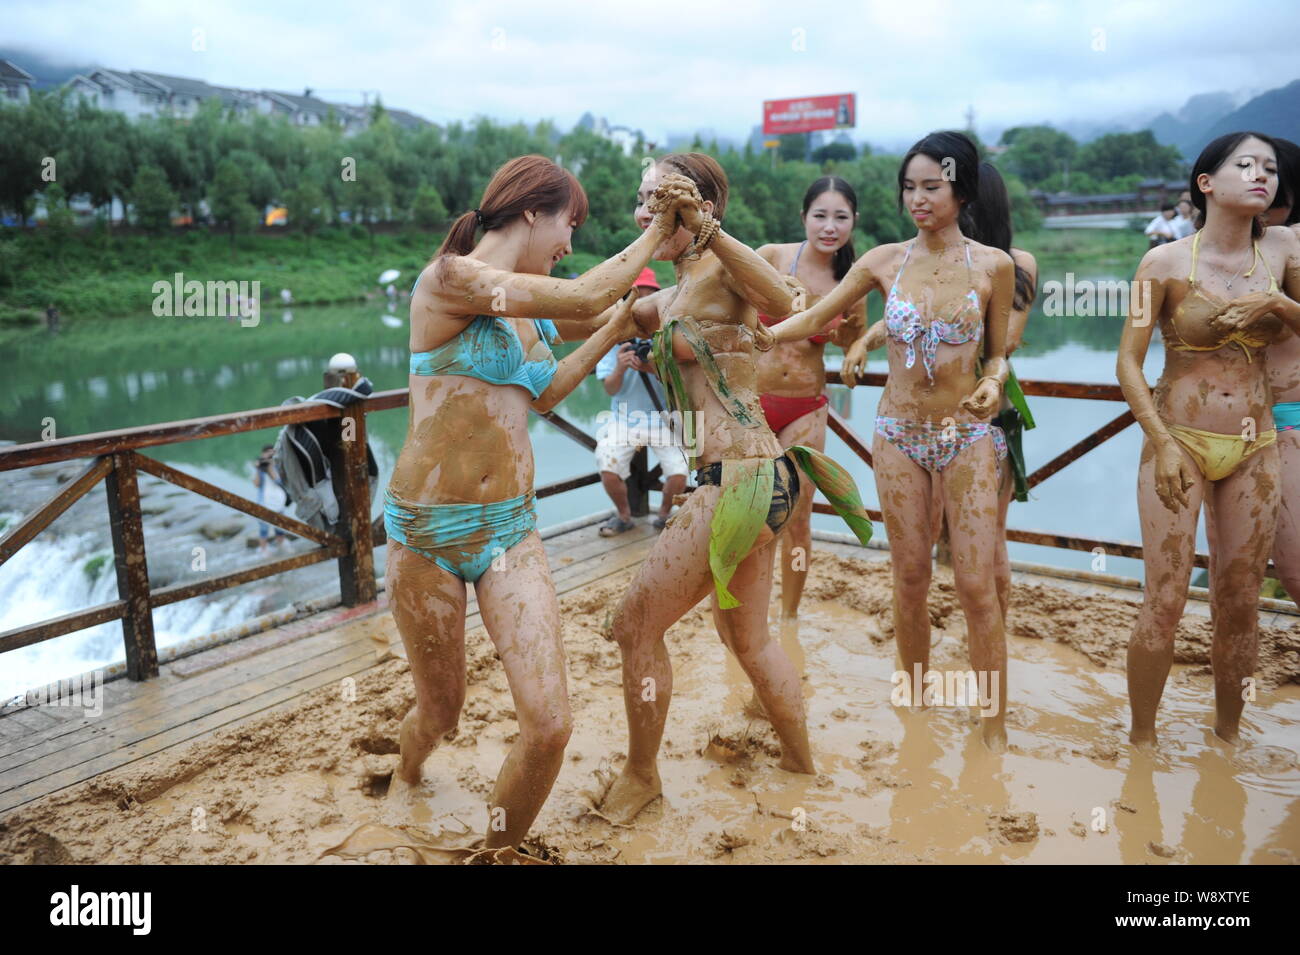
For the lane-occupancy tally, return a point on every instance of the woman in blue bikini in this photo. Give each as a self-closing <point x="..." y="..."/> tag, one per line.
<point x="951" y="311"/>
<point x="459" y="507"/>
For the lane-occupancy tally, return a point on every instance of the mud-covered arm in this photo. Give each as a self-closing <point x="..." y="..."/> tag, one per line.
<point x="999" y="319"/>
<point x="1289" y="310"/>
<point x="1133" y="344"/>
<point x="1020" y="316"/>
<point x="576" y="366"/>
<point x="751" y="276"/>
<point x="855" y="285"/>
<point x="853" y="327"/>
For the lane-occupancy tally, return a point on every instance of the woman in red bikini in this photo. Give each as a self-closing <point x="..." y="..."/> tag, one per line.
<point x="792" y="376"/>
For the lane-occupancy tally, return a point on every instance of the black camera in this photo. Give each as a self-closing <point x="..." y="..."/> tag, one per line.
<point x="641" y="348"/>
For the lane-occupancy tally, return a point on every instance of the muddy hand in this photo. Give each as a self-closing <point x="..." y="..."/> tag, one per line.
<point x="1173" y="476"/>
<point x="1243" y="312"/>
<point x="854" y="365"/>
<point x="984" y="400"/>
<point x="621" y="317"/>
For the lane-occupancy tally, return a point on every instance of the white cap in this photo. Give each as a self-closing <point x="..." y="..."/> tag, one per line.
<point x="342" y="362"/>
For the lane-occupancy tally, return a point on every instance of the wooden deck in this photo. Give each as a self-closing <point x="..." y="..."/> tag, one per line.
<point x="47" y="748"/>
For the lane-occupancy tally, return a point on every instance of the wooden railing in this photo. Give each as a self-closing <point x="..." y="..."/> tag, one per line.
<point x="117" y="459"/>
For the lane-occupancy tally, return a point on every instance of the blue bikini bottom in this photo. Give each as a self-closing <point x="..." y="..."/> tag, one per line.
<point x="462" y="539"/>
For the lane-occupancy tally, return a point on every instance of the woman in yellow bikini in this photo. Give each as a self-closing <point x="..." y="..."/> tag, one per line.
<point x="1209" y="422"/>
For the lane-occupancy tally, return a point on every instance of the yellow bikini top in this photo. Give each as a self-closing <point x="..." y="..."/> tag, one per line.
<point x="1245" y="340"/>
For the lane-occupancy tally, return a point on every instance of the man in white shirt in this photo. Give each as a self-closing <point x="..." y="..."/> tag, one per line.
<point x="1161" y="229"/>
<point x="635" y="424"/>
<point x="1184" y="223"/>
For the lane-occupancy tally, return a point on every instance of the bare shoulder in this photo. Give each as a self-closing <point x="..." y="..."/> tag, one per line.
<point x="883" y="257"/>
<point x="1167" y="260"/>
<point x="1282" y="237"/>
<point x="1025" y="260"/>
<point x="776" y="253"/>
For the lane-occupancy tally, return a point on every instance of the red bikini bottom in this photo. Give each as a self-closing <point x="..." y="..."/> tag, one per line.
<point x="780" y="411"/>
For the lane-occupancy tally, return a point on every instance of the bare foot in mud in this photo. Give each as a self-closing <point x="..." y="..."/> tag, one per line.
<point x="753" y="708"/>
<point x="792" y="764"/>
<point x="1143" y="742"/>
<point x="628" y="795"/>
<point x="1230" y="735"/>
<point x="403" y="798"/>
<point x="995" y="737"/>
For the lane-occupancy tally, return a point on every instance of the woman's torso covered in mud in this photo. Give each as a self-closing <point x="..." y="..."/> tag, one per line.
<point x="794" y="369"/>
<point x="467" y="441"/>
<point x="725" y="321"/>
<point x="1224" y="390"/>
<point x="938" y="291"/>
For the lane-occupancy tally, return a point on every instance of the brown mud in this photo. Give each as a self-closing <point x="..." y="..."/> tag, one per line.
<point x="306" y="783"/>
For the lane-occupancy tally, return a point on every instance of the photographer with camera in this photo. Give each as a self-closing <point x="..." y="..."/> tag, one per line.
<point x="636" y="400"/>
<point x="265" y="473"/>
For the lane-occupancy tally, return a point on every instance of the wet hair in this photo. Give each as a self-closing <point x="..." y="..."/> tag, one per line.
<point x="526" y="182"/>
<point x="948" y="146"/>
<point x="844" y="256"/>
<point x="987" y="220"/>
<point x="1288" y="167"/>
<point x="708" y="176"/>
<point x="1212" y="158"/>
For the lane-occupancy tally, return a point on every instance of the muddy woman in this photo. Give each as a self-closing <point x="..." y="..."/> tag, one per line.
<point x="720" y="542"/>
<point x="988" y="222"/>
<point x="1219" y="297"/>
<point x="792" y="376"/>
<point x="947" y="304"/>
<point x="459" y="507"/>
<point x="1284" y="379"/>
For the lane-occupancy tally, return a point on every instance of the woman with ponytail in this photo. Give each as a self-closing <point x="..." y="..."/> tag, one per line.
<point x="792" y="376"/>
<point x="459" y="508"/>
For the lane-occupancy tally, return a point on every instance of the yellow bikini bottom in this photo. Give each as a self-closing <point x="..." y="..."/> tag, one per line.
<point x="1218" y="455"/>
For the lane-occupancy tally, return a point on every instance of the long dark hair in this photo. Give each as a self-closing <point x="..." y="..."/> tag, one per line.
<point x="943" y="147"/>
<point x="1213" y="157"/>
<point x="987" y="220"/>
<point x="1288" y="167"/>
<point x="844" y="256"/>
<point x="526" y="182"/>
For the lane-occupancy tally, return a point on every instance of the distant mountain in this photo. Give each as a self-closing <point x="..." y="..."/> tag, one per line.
<point x="1276" y="113"/>
<point x="45" y="73"/>
<point x="1187" y="129"/>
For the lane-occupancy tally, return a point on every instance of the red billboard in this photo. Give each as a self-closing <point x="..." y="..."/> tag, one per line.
<point x="837" y="111"/>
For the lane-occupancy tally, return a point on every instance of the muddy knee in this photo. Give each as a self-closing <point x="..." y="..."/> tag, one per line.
<point x="431" y="724"/>
<point x="549" y="733"/>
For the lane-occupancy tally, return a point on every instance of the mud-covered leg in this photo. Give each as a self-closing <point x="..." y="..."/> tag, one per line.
<point x="1168" y="546"/>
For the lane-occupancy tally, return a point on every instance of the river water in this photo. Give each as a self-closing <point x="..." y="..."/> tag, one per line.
<point x="98" y="376"/>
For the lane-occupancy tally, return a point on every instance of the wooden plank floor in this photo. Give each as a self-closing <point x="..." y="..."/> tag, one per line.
<point x="47" y="748"/>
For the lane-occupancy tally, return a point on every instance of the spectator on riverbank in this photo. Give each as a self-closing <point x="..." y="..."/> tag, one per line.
<point x="52" y="318"/>
<point x="1184" y="223"/>
<point x="1161" y="229"/>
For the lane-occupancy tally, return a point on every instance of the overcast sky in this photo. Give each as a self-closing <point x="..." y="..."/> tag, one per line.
<point x="663" y="67"/>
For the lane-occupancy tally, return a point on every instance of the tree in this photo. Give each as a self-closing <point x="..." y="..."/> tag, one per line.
<point x="1125" y="154"/>
<point x="1036" y="152"/>
<point x="60" y="221"/>
<point x="306" y="205"/>
<point x="153" y="200"/>
<point x="428" y="210"/>
<point x="229" y="202"/>
<point x="834" y="152"/>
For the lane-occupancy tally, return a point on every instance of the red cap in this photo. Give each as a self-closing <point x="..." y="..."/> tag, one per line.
<point x="647" y="278"/>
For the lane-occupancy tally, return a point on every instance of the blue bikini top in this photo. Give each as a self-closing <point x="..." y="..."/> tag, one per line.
<point x="489" y="349"/>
